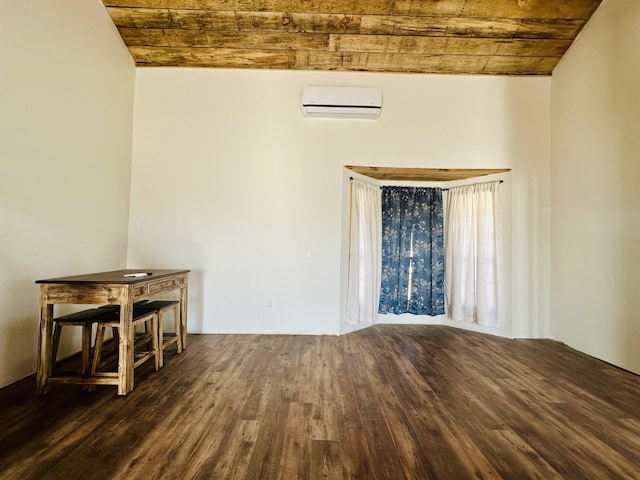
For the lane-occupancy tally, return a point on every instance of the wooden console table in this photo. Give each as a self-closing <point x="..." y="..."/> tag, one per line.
<point x="107" y="288"/>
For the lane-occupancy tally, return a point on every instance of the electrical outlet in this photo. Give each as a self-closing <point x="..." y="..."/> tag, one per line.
<point x="269" y="304"/>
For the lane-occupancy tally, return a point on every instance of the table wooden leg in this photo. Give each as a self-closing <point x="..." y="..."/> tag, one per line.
<point x="45" y="347"/>
<point x="125" y="347"/>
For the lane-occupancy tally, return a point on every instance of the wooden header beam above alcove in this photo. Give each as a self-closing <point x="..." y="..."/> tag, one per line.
<point x="424" y="174"/>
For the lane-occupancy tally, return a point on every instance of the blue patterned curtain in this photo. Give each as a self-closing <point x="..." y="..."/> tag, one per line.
<point x="412" y="251"/>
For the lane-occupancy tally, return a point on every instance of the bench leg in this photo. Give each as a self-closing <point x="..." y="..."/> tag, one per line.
<point x="154" y="341"/>
<point x="176" y="320"/>
<point x="57" y="331"/>
<point x="161" y="337"/>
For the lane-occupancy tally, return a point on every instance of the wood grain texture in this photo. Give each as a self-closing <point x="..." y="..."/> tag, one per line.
<point x="435" y="26"/>
<point x="581" y="9"/>
<point x="424" y="174"/>
<point x="387" y="402"/>
<point x="501" y="37"/>
<point x="154" y="37"/>
<point x="448" y="45"/>
<point x="212" y="39"/>
<point x="213" y="57"/>
<point x="298" y="22"/>
<point x="372" y="7"/>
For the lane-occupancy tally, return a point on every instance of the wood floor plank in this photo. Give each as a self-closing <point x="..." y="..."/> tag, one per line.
<point x="296" y="458"/>
<point x="325" y="460"/>
<point x="385" y="461"/>
<point x="388" y="402"/>
<point x="354" y="451"/>
<point x="236" y="451"/>
<point x="514" y="457"/>
<point x="269" y="445"/>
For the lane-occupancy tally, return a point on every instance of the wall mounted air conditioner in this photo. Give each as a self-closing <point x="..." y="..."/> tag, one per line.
<point x="341" y="102"/>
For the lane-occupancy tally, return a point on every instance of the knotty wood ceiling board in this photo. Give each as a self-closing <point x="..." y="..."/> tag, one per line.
<point x="424" y="174"/>
<point x="485" y="37"/>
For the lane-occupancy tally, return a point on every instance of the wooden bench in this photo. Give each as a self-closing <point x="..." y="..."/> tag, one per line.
<point x="160" y="307"/>
<point x="149" y="319"/>
<point x="84" y="319"/>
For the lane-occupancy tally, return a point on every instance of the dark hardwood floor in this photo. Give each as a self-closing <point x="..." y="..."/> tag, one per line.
<point x="388" y="402"/>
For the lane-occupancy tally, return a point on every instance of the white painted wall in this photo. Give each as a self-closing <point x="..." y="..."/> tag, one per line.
<point x="66" y="106"/>
<point x="595" y="247"/>
<point x="230" y="181"/>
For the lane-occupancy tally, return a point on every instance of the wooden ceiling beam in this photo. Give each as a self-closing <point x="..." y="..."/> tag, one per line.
<point x="373" y="7"/>
<point x="342" y="43"/>
<point x="538" y="9"/>
<point x="299" y="22"/>
<point x="318" y="6"/>
<point x="470" y="27"/>
<point x="447" y="45"/>
<point x="213" y="57"/>
<point x="341" y="23"/>
<point x="228" y="20"/>
<point x="340" y="61"/>
<point x="229" y="40"/>
<point x="412" y="63"/>
<point x="513" y="9"/>
<point x="184" y="19"/>
<point x="174" y="4"/>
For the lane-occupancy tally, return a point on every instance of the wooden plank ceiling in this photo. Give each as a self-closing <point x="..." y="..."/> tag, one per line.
<point x="485" y="37"/>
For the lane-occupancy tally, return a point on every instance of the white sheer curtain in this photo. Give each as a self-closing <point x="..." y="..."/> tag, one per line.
<point x="365" y="239"/>
<point x="473" y="253"/>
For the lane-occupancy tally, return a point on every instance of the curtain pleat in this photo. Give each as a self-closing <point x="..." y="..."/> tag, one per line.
<point x="474" y="253"/>
<point x="412" y="251"/>
<point x="363" y="284"/>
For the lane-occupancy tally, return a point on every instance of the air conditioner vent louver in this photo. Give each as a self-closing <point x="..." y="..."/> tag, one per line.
<point x="341" y="102"/>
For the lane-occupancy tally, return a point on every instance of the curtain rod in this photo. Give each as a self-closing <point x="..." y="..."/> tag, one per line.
<point x="445" y="189"/>
<point x="364" y="181"/>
